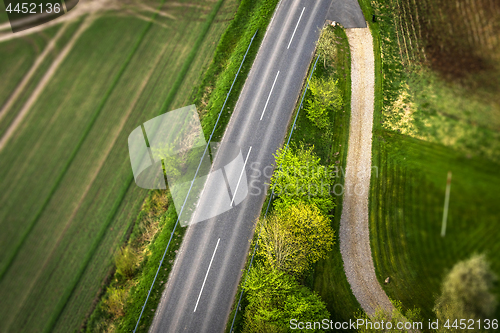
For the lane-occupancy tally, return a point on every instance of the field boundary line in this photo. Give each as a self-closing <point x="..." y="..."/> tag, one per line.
<point x="27" y="77"/>
<point x="159" y="12"/>
<point x="84" y="7"/>
<point x="145" y="18"/>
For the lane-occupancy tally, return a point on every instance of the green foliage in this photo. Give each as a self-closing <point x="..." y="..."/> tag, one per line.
<point x="294" y="238"/>
<point x="142" y="282"/>
<point x="467" y="291"/>
<point x="329" y="277"/>
<point x="325" y="97"/>
<point x="326" y="47"/>
<point x="126" y="261"/>
<point x="275" y="298"/>
<point x="300" y="177"/>
<point x="330" y="280"/>
<point x="115" y="303"/>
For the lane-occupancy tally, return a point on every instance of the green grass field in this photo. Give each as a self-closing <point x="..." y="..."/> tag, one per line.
<point x="67" y="199"/>
<point x="406" y="213"/>
<point x="435" y="112"/>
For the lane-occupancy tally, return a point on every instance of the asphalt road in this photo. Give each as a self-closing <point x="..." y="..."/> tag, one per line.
<point x="348" y="13"/>
<point x="208" y="267"/>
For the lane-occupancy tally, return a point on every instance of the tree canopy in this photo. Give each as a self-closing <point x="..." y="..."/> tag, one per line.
<point x="467" y="291"/>
<point x="294" y="238"/>
<point x="275" y="298"/>
<point x="326" y="47"/>
<point x="300" y="177"/>
<point x="325" y="97"/>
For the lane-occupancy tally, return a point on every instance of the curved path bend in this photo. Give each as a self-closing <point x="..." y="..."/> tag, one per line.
<point x="354" y="222"/>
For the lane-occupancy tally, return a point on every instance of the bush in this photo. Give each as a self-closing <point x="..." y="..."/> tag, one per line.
<point x="294" y="238"/>
<point x="467" y="291"/>
<point x="126" y="261"/>
<point x="325" y="97"/>
<point x="115" y="303"/>
<point x="300" y="177"/>
<point x="275" y="298"/>
<point x="326" y="49"/>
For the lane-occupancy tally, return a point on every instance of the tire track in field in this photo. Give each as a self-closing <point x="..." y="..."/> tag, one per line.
<point x="354" y="222"/>
<point x="93" y="177"/>
<point x="43" y="83"/>
<point x="33" y="222"/>
<point x="84" y="7"/>
<point x="20" y="87"/>
<point x="91" y="7"/>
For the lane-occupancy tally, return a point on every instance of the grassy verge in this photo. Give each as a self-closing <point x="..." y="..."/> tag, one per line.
<point x="329" y="279"/>
<point x="251" y="15"/>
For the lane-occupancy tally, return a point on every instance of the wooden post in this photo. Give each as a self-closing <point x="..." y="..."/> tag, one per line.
<point x="446" y="204"/>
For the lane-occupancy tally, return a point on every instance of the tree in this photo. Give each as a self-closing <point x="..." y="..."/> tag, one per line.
<point x="326" y="47"/>
<point x="467" y="291"/>
<point x="275" y="244"/>
<point x="325" y="97"/>
<point x="294" y="238"/>
<point x="274" y="298"/>
<point x="301" y="178"/>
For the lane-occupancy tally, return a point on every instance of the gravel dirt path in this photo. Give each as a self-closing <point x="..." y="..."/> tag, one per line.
<point x="354" y="228"/>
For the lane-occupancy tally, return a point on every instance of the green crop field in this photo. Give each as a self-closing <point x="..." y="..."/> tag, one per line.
<point x="437" y="110"/>
<point x="441" y="77"/>
<point x="68" y="198"/>
<point x="406" y="212"/>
